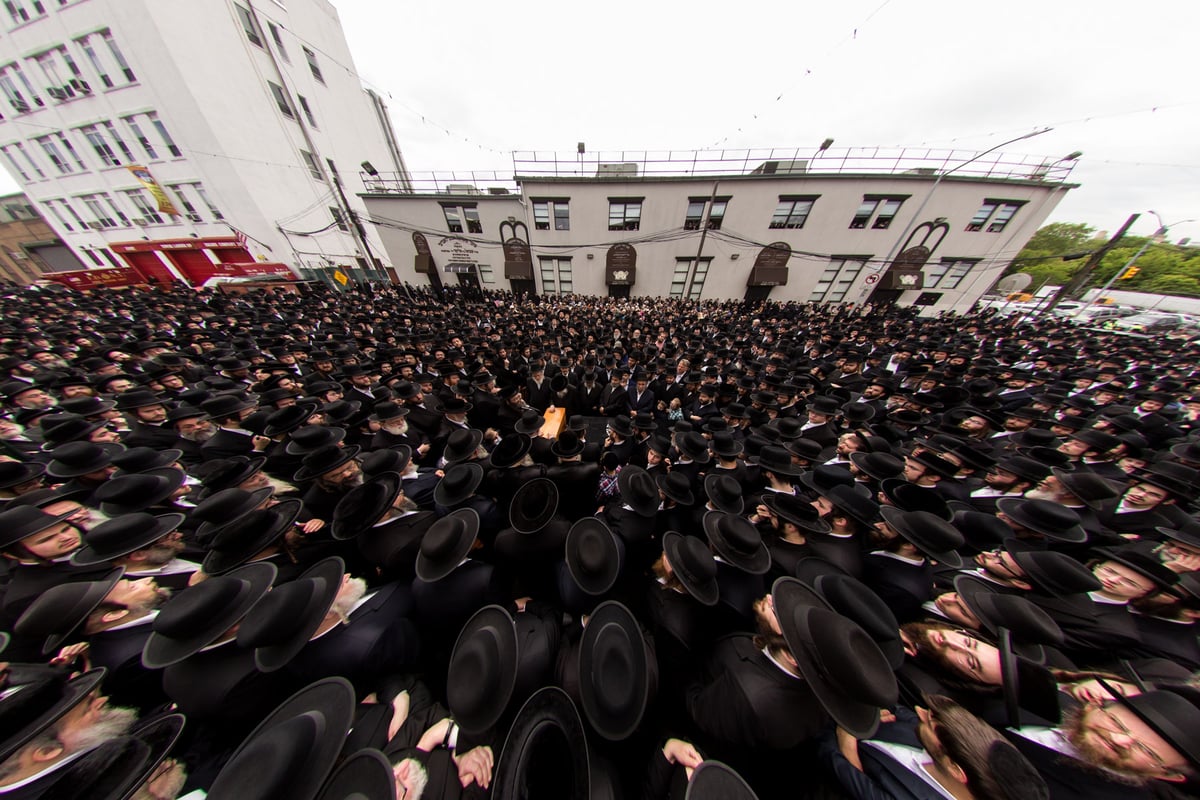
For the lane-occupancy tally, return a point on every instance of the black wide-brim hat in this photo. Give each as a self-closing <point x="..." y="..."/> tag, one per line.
<point x="715" y="780"/>
<point x="910" y="497"/>
<point x="458" y="484"/>
<point x="38" y="706"/>
<point x="1172" y="715"/>
<point x="530" y="423"/>
<point x="117" y="769"/>
<point x="73" y="459"/>
<point x="143" y="459"/>
<point x="533" y="505"/>
<point x="614" y="671"/>
<point x="593" y="556"/>
<point x="857" y="602"/>
<point x="1026" y="685"/>
<point x="283" y="622"/>
<point x="795" y="510"/>
<point x="725" y="493"/>
<point x="18" y="472"/>
<point x="365" y="775"/>
<point x="123" y="535"/>
<point x="131" y="493"/>
<point x="223" y="507"/>
<point x="639" y="490"/>
<point x="843" y="666"/>
<point x="311" y="438"/>
<point x="462" y="445"/>
<point x="290" y="418"/>
<point x="511" y="450"/>
<point x="737" y="541"/>
<point x="201" y="614"/>
<point x="1031" y="627"/>
<point x="325" y="459"/>
<point x="20" y="522"/>
<point x="483" y="669"/>
<point x="1050" y="570"/>
<point x="292" y="751"/>
<point x="693" y="564"/>
<point x="365" y="505"/>
<point x="60" y="610"/>
<point x="231" y="472"/>
<point x="446" y="543"/>
<point x="1147" y="566"/>
<point x="880" y="466"/>
<point x="545" y="755"/>
<point x="1050" y="519"/>
<point x="676" y="487"/>
<point x="932" y="535"/>
<point x="236" y="542"/>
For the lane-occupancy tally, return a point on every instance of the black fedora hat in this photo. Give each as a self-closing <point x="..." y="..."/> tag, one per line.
<point x="824" y="477"/>
<point x="981" y="530"/>
<point x="1091" y="489"/>
<point x="227" y="473"/>
<point x="545" y="755"/>
<point x="880" y="466"/>
<point x="73" y="459"/>
<point x="1172" y="715"/>
<point x="123" y="535"/>
<point x="676" y="486"/>
<point x="365" y="775"/>
<point x="365" y="505"/>
<point x="935" y="463"/>
<point x="201" y="614"/>
<point x="389" y="459"/>
<point x="138" y="398"/>
<point x="533" y="505"/>
<point x="724" y="493"/>
<point x="910" y="497"/>
<point x="458" y="484"/>
<point x="736" y="540"/>
<point x="716" y="780"/>
<point x="461" y="445"/>
<point x="389" y="409"/>
<point x="795" y="510"/>
<point x="511" y="451"/>
<point x="693" y="564"/>
<point x="1051" y="571"/>
<point x="529" y="423"/>
<point x="857" y="505"/>
<point x="239" y="540"/>
<point x="1027" y="686"/>
<point x="1149" y="567"/>
<point x="38" y="706"/>
<point x="567" y="444"/>
<point x="282" y="622"/>
<point x="59" y="610"/>
<point x="638" y="490"/>
<point x="224" y="507"/>
<point x="1186" y="532"/>
<point x="1046" y="517"/>
<point x="293" y="750"/>
<point x="61" y="429"/>
<point x="778" y="460"/>
<point x="1031" y="627"/>
<point x="1178" y="479"/>
<point x="15" y="473"/>
<point x="117" y="769"/>
<point x="843" y="666"/>
<point x="693" y="446"/>
<point x="622" y="425"/>
<point x="131" y="493"/>
<point x="725" y="446"/>
<point x="929" y="533"/>
<point x="313" y="437"/>
<point x="482" y="673"/>
<point x="593" y="556"/>
<point x="614" y="671"/>
<point x="324" y="460"/>
<point x="144" y="459"/>
<point x="1025" y="468"/>
<point x="447" y="542"/>
<point x="227" y="405"/>
<point x="856" y="601"/>
<point x="289" y="419"/>
<point x="20" y="522"/>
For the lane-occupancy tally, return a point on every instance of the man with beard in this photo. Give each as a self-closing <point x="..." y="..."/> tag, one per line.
<point x="231" y="439"/>
<point x="394" y="430"/>
<point x="144" y="545"/>
<point x="334" y="471"/>
<point x="194" y="429"/>
<point x="387" y="524"/>
<point x="1011" y="477"/>
<point x="113" y="616"/>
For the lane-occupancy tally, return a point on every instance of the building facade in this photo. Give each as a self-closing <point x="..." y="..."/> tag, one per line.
<point x="924" y="227"/>
<point x="29" y="248"/>
<point x="181" y="140"/>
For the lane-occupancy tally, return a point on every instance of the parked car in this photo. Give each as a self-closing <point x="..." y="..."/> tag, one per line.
<point x="1094" y="314"/>
<point x="1150" y="322"/>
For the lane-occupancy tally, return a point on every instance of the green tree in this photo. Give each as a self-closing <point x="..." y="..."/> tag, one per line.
<point x="1173" y="284"/>
<point x="1042" y="256"/>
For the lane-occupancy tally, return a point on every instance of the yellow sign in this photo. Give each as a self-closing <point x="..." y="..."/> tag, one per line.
<point x="146" y="179"/>
<point x="340" y="277"/>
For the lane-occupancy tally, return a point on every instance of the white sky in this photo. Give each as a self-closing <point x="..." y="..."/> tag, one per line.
<point x="659" y="75"/>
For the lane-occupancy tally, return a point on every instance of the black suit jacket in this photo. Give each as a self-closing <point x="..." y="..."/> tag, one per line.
<point x="903" y="586"/>
<point x="128" y="683"/>
<point x="156" y="437"/>
<point x="226" y="444"/>
<point x="1070" y="780"/>
<point x="882" y="777"/>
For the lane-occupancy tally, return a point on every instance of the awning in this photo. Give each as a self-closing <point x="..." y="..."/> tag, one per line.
<point x="460" y="268"/>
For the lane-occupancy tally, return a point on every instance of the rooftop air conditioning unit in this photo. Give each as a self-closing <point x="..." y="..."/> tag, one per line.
<point x="20" y="105"/>
<point x="56" y="93"/>
<point x="96" y="226"/>
<point x="498" y="190"/>
<point x="615" y="170"/>
<point x="81" y="86"/>
<point x="461" y="188"/>
<point x="781" y="168"/>
<point x="140" y="222"/>
<point x="928" y="172"/>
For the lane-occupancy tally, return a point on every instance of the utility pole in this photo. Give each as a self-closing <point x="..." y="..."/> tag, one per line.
<point x="1081" y="277"/>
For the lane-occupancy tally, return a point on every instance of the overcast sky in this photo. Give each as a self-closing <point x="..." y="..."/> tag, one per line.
<point x="1116" y="80"/>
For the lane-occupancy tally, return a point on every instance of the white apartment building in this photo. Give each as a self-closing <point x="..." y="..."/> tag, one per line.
<point x="933" y="228"/>
<point x="241" y="114"/>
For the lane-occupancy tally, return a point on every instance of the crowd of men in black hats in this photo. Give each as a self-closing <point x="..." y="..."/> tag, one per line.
<point x="395" y="544"/>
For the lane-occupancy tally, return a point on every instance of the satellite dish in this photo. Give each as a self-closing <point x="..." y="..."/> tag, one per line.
<point x="1013" y="283"/>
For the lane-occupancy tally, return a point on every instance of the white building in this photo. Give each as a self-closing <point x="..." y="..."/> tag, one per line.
<point x="934" y="228"/>
<point x="242" y="113"/>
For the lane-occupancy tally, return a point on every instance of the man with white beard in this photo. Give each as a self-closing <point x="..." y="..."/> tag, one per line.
<point x="392" y="429"/>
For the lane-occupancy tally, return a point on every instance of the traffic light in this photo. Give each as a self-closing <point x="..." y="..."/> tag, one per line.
<point x="1129" y="273"/>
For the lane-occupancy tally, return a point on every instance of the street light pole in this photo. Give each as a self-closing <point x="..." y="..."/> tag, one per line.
<point x="1161" y="232"/>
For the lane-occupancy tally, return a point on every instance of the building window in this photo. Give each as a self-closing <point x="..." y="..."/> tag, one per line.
<point x="50" y="148"/>
<point x="92" y="255"/>
<point x="695" y="213"/>
<point x="556" y="275"/>
<point x="70" y="150"/>
<point x="249" y="25"/>
<point x="19" y="10"/>
<point x="140" y="136"/>
<point x="107" y="156"/>
<point x="162" y="132"/>
<point x="112" y="259"/>
<point x="460" y="215"/>
<point x="29" y="159"/>
<point x="88" y="45"/>
<point x="689" y="277"/>
<point x="74" y="214"/>
<point x="118" y="56"/>
<point x="624" y="213"/>
<point x="212" y="209"/>
<point x="313" y="66"/>
<point x="308" y="115"/>
<point x="58" y="215"/>
<point x="102" y="216"/>
<point x="792" y="212"/>
<point x="332" y="167"/>
<point x="111" y="133"/>
<point x="877" y="211"/>
<point x="278" y="39"/>
<point x="552" y="212"/>
<point x="281" y="100"/>
<point x="837" y="279"/>
<point x="12" y="162"/>
<point x="485" y="273"/>
<point x="339" y="219"/>
<point x="148" y="211"/>
<point x="18" y="90"/>
<point x="948" y="273"/>
<point x="994" y="214"/>
<point x="314" y="167"/>
<point x="189" y="210"/>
